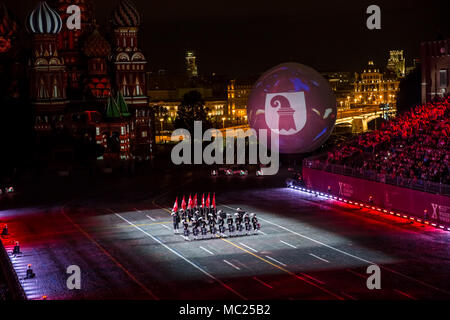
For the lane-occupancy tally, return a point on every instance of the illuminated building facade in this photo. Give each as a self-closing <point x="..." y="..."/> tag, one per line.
<point x="82" y="85"/>
<point x="167" y="92"/>
<point x="97" y="50"/>
<point x="396" y="63"/>
<point x="191" y="64"/>
<point x="342" y="85"/>
<point x="373" y="87"/>
<point x="435" y="63"/>
<point x="70" y="42"/>
<point x="238" y="92"/>
<point x="130" y="75"/>
<point x="48" y="71"/>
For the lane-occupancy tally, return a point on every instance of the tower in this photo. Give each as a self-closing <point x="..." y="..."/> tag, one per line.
<point x="191" y="64"/>
<point x="97" y="50"/>
<point x="130" y="76"/>
<point x="48" y="72"/>
<point x="69" y="42"/>
<point x="129" y="61"/>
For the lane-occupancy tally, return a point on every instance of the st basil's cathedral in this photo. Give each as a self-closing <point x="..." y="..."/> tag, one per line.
<point x="79" y="85"/>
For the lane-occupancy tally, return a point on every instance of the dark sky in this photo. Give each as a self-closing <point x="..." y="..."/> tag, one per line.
<point x="239" y="37"/>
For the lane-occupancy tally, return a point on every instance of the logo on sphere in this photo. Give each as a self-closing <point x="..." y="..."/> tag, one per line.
<point x="285" y="112"/>
<point x="295" y="104"/>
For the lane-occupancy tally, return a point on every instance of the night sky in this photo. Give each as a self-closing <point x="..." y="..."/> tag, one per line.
<point x="240" y="37"/>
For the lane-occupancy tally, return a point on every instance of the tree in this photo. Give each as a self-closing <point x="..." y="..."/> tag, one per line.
<point x="409" y="91"/>
<point x="191" y="109"/>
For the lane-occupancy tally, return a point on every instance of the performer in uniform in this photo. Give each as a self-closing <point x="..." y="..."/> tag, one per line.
<point x="183" y="214"/>
<point x="221" y="223"/>
<point x="239" y="227"/>
<point x="247" y="223"/>
<point x="255" y="222"/>
<point x="212" y="227"/>
<point x="230" y="224"/>
<point x="195" y="231"/>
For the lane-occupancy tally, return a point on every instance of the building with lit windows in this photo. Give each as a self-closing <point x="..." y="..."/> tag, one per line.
<point x="167" y="91"/>
<point x="342" y="85"/>
<point x="238" y="91"/>
<point x="435" y="63"/>
<point x="191" y="64"/>
<point x="396" y="63"/>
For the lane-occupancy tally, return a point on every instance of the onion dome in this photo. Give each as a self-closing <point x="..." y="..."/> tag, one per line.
<point x="44" y="20"/>
<point x="96" y="46"/>
<point x="126" y="14"/>
<point x="8" y="23"/>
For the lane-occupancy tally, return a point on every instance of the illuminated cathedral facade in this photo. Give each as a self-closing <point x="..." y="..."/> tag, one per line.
<point x="82" y="85"/>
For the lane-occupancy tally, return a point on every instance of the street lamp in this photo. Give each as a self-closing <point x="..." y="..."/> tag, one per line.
<point x="161" y="121"/>
<point x="223" y="120"/>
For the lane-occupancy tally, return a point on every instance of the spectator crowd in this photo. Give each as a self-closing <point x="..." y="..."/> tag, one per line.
<point x="415" y="145"/>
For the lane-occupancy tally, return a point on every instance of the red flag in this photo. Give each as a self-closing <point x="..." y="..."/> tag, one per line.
<point x="175" y="205"/>
<point x="190" y="202"/>
<point x="214" y="201"/>
<point x="207" y="201"/>
<point x="195" y="200"/>
<point x="183" y="204"/>
<point x="203" y="200"/>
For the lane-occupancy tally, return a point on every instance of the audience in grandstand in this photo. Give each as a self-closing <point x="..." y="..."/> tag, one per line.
<point x="415" y="145"/>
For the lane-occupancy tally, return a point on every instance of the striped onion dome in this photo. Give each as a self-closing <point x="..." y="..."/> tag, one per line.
<point x="126" y="14"/>
<point x="44" y="19"/>
<point x="8" y="23"/>
<point x="96" y="46"/>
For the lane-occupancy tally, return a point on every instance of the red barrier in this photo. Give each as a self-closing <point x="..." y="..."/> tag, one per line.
<point x="382" y="195"/>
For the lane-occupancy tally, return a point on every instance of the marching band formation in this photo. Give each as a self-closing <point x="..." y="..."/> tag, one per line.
<point x="204" y="221"/>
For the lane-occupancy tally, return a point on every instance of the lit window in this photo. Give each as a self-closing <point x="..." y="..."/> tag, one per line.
<point x="443" y="77"/>
<point x="144" y="134"/>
